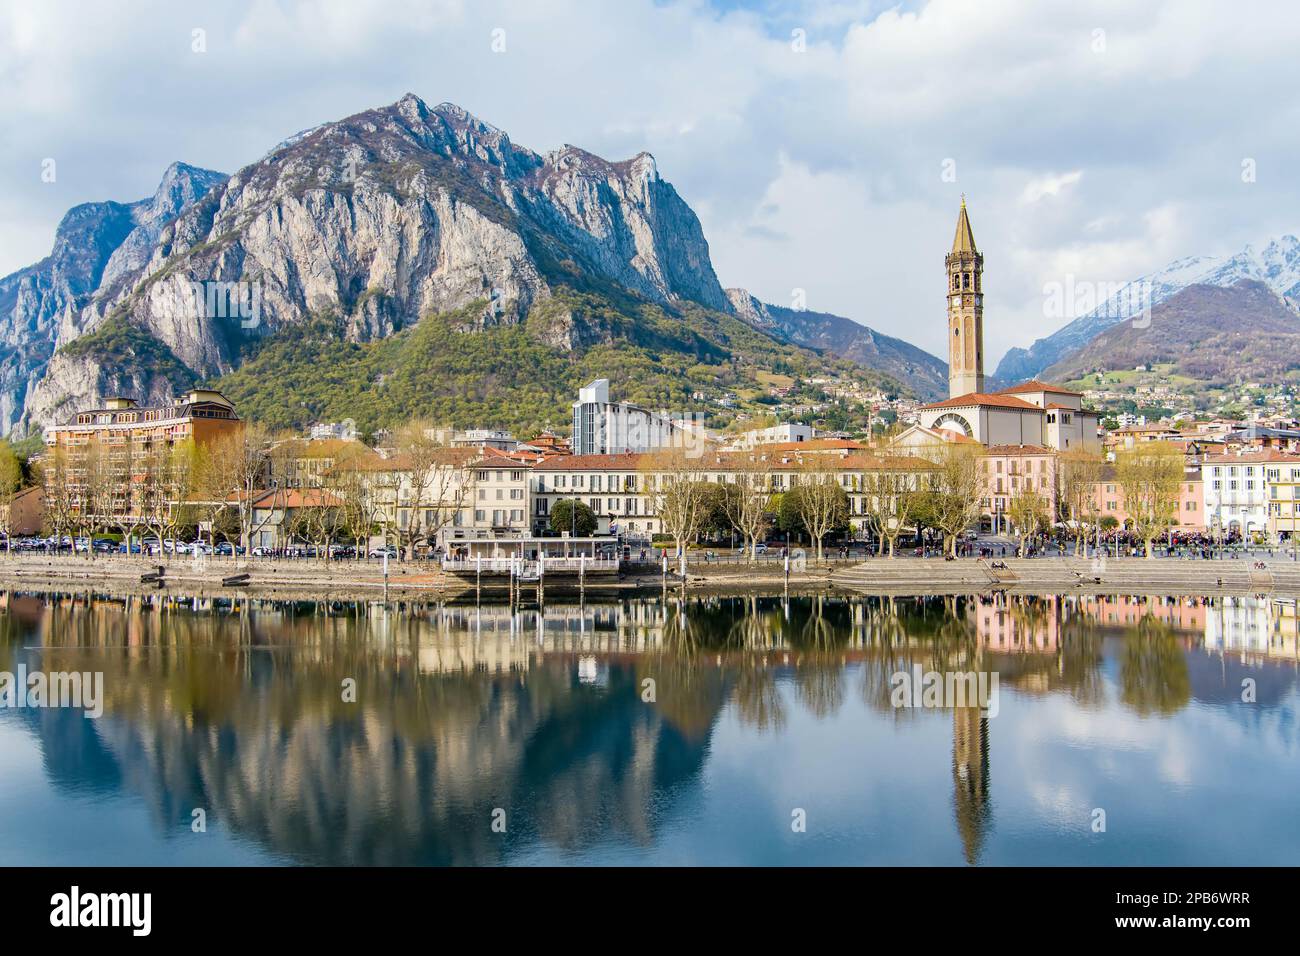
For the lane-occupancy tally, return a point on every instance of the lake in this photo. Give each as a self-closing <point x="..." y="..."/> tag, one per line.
<point x="660" y="730"/>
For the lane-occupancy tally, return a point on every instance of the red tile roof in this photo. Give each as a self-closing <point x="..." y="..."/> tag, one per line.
<point x="620" y="462"/>
<point x="995" y="400"/>
<point x="296" y="498"/>
<point x="1034" y="385"/>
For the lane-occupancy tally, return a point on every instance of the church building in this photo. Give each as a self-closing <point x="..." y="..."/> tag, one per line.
<point x="1032" y="413"/>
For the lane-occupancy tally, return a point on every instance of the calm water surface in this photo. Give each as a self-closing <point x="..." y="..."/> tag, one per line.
<point x="762" y="707"/>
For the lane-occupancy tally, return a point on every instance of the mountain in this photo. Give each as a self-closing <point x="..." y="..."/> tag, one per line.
<point x="1277" y="265"/>
<point x="95" y="246"/>
<point x="1212" y="334"/>
<point x="848" y="339"/>
<point x="342" y="241"/>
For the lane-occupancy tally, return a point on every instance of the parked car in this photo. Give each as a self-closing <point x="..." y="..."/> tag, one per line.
<point x="380" y="552"/>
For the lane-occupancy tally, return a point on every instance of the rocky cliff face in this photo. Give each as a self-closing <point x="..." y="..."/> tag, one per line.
<point x="73" y="382"/>
<point x="95" y="246"/>
<point x="378" y="219"/>
<point x="846" y="339"/>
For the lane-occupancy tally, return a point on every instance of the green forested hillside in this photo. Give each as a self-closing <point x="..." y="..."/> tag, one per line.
<point x="523" y="376"/>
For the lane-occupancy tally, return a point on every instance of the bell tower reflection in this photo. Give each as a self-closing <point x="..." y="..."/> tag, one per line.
<point x="970" y="778"/>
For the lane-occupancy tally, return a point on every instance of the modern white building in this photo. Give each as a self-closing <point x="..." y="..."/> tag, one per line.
<point x="777" y="434"/>
<point x="345" y="430"/>
<point x="602" y="427"/>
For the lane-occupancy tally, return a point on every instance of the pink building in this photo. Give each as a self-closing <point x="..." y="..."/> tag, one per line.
<point x="1108" y="497"/>
<point x="1013" y="469"/>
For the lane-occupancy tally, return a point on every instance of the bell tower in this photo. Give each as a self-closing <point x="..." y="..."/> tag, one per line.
<point x="965" y="267"/>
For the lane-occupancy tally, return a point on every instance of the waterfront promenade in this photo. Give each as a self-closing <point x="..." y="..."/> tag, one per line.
<point x="1245" y="574"/>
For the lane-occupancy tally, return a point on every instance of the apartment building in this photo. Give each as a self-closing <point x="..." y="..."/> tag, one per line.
<point x="1108" y="500"/>
<point x="1283" y="498"/>
<point x="102" y="458"/>
<point x="789" y="432"/>
<point x="610" y="485"/>
<point x="1237" y="497"/>
<point x="615" y="487"/>
<point x="464" y="494"/>
<point x="500" y="499"/>
<point x="602" y="427"/>
<point x="1012" y="470"/>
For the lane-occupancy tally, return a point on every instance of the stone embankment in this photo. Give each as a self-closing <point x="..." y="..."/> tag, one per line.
<point x="1082" y="575"/>
<point x="352" y="580"/>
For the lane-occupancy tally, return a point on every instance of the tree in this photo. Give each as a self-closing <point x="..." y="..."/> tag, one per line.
<point x="573" y="517"/>
<point x="747" y="500"/>
<point x="1150" y="474"/>
<point x="822" y="501"/>
<point x="317" y="521"/>
<point x="892" y="499"/>
<point x="11" y="482"/>
<point x="1027" y="511"/>
<point x="60" y="495"/>
<point x="359" y="505"/>
<point x="431" y="485"/>
<point x="676" y="492"/>
<point x="1081" y="471"/>
<point x="241" y="463"/>
<point x="956" y="486"/>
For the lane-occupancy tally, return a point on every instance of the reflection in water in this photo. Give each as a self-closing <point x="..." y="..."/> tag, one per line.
<point x="237" y="707"/>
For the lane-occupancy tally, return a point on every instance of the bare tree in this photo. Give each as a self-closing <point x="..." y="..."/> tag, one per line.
<point x="1150" y="474"/>
<point x="676" y="491"/>
<point x="431" y="485"/>
<point x="1081" y="471"/>
<point x="822" y="502"/>
<point x="892" y="495"/>
<point x="747" y="499"/>
<point x="956" y="487"/>
<point x="60" y="494"/>
<point x="1027" y="511"/>
<point x="351" y="481"/>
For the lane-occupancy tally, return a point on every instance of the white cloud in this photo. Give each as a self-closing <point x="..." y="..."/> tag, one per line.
<point x="1050" y="185"/>
<point x="819" y="169"/>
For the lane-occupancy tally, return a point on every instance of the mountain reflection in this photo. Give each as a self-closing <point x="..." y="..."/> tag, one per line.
<point x="589" y="726"/>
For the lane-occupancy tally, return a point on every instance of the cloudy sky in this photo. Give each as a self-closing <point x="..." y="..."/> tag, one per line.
<point x="824" y="145"/>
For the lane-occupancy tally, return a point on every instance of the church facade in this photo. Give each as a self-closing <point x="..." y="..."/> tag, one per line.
<point x="1032" y="413"/>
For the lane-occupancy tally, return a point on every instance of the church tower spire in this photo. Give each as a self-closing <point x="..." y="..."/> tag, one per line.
<point x="965" y="268"/>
